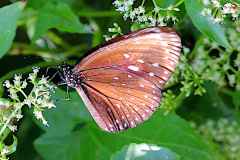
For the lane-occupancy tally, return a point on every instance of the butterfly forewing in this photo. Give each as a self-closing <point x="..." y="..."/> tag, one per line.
<point x="123" y="79"/>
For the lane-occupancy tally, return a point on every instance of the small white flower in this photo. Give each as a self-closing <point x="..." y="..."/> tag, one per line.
<point x="19" y="116"/>
<point x="27" y="102"/>
<point x="43" y="80"/>
<point x="206" y="12"/>
<point x="24" y="84"/>
<point x="216" y="3"/>
<point x="35" y="70"/>
<point x="217" y="20"/>
<point x="18" y="77"/>
<point x="7" y="84"/>
<point x="5" y="151"/>
<point x="13" y="93"/>
<point x="206" y="2"/>
<point x="17" y="80"/>
<point x="32" y="76"/>
<point x="13" y="128"/>
<point x="38" y="114"/>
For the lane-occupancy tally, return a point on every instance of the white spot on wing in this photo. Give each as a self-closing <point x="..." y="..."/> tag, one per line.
<point x="140" y="61"/>
<point x="133" y="68"/>
<point x="115" y="78"/>
<point x="126" y="55"/>
<point x="155" y="64"/>
<point x="151" y="74"/>
<point x="132" y="123"/>
<point x="161" y="81"/>
<point x="141" y="85"/>
<point x="129" y="76"/>
<point x="118" y="105"/>
<point x="156" y="98"/>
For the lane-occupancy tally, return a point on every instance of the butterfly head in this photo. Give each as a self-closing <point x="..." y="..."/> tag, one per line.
<point x="69" y="77"/>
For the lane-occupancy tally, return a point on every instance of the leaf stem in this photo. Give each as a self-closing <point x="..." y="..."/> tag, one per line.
<point x="155" y="4"/>
<point x="178" y="3"/>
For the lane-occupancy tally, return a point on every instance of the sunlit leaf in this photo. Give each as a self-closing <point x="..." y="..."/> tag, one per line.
<point x="60" y="16"/>
<point x="167" y="131"/>
<point x="145" y="151"/>
<point x="8" y="24"/>
<point x="205" y="24"/>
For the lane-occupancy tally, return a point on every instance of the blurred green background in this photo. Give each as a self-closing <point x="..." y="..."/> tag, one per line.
<point x="200" y="127"/>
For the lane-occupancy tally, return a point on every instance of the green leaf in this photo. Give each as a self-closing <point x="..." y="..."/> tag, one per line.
<point x="69" y="146"/>
<point x="8" y="24"/>
<point x="165" y="3"/>
<point x="145" y="151"/>
<point x="67" y="115"/>
<point x="205" y="24"/>
<point x="236" y="99"/>
<point x="167" y="131"/>
<point x="60" y="16"/>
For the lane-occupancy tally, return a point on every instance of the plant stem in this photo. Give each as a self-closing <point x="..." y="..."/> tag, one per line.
<point x="179" y="99"/>
<point x="5" y="134"/>
<point x="178" y="3"/>
<point x="9" y="119"/>
<point x="155" y="4"/>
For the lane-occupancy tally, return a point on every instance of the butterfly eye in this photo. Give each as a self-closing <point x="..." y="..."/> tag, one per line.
<point x="121" y="82"/>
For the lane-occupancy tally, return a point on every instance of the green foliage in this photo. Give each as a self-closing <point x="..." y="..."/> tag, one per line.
<point x="8" y="20"/>
<point x="205" y="24"/>
<point x="187" y="144"/>
<point x="60" y="16"/>
<point x="204" y="89"/>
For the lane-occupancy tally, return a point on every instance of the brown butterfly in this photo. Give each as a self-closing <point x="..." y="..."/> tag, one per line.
<point x="121" y="81"/>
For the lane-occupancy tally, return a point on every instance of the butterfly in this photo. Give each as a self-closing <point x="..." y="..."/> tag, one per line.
<point x="121" y="82"/>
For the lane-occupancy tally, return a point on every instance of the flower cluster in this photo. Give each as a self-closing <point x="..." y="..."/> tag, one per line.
<point x="38" y="98"/>
<point x="160" y="16"/>
<point x="225" y="133"/>
<point x="191" y="82"/>
<point x="219" y="11"/>
<point x="168" y="103"/>
<point x="114" y="31"/>
<point x="218" y="65"/>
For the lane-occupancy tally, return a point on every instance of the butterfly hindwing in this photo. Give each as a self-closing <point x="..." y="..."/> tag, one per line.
<point x="121" y="103"/>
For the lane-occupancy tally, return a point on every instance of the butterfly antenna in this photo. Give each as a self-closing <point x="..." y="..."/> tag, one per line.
<point x="46" y="72"/>
<point x="61" y="84"/>
<point x="54" y="75"/>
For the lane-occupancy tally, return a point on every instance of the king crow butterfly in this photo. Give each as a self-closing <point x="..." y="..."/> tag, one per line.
<point x="121" y="81"/>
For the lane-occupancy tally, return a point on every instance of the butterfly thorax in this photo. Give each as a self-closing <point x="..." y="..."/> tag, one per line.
<point x="72" y="79"/>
